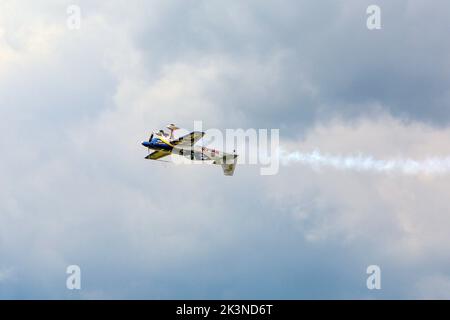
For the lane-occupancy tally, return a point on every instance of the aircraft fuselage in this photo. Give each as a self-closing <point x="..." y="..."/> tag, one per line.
<point x="157" y="144"/>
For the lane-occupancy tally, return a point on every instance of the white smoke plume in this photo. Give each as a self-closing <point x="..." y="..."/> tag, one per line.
<point x="317" y="160"/>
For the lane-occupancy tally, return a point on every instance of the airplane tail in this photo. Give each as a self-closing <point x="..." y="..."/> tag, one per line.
<point x="228" y="168"/>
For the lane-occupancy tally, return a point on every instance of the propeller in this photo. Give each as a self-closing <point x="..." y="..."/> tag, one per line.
<point x="149" y="140"/>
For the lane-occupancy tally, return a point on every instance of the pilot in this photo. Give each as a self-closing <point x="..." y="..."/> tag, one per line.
<point x="162" y="133"/>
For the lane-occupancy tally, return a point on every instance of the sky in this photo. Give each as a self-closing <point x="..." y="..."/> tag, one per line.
<point x="75" y="188"/>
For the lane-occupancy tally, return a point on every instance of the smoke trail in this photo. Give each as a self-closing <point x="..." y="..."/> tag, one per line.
<point x="432" y="165"/>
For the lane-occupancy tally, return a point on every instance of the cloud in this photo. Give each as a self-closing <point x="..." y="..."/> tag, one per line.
<point x="434" y="287"/>
<point x="5" y="274"/>
<point x="327" y="62"/>
<point x="76" y="190"/>
<point x="395" y="221"/>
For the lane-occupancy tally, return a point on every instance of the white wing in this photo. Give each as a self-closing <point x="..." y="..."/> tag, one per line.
<point x="189" y="139"/>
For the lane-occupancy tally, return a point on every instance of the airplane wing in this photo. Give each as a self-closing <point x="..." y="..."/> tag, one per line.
<point x="189" y="139"/>
<point x="157" y="155"/>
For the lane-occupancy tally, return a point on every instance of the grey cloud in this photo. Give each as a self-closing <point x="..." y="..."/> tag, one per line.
<point x="402" y="67"/>
<point x="76" y="190"/>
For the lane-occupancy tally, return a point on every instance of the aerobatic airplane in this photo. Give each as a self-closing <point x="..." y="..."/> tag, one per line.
<point x="165" y="144"/>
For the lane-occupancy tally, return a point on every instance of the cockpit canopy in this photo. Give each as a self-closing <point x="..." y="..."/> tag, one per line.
<point x="160" y="133"/>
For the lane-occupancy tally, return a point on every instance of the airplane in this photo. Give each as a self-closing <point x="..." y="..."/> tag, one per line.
<point x="165" y="144"/>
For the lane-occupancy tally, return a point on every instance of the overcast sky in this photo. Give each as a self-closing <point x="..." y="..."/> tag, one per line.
<point x="75" y="187"/>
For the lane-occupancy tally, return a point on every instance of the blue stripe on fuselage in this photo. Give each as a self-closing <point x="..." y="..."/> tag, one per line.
<point x="157" y="144"/>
